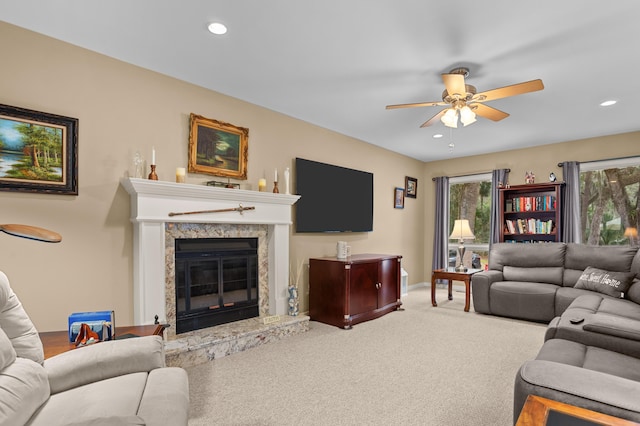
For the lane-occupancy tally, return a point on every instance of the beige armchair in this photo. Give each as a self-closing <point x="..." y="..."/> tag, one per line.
<point x="122" y="382"/>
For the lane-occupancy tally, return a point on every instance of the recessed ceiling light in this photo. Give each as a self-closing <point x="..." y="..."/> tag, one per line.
<point x="217" y="28"/>
<point x="608" y="103"/>
<point x="437" y="136"/>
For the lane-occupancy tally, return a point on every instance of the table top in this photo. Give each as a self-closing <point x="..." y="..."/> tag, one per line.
<point x="546" y="412"/>
<point x="452" y="270"/>
<point x="57" y="342"/>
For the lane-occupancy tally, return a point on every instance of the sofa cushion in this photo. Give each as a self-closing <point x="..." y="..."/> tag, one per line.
<point x="633" y="292"/>
<point x="519" y="299"/>
<point x="23" y="388"/>
<point x="117" y="397"/>
<point x="606" y="282"/>
<point x="17" y="324"/>
<point x="609" y="258"/>
<point x="7" y="353"/>
<point x="549" y="275"/>
<point x="526" y="255"/>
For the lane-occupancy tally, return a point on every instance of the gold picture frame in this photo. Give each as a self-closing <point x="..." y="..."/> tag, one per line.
<point x="217" y="148"/>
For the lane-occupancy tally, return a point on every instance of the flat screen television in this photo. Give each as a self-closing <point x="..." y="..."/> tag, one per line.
<point x="333" y="198"/>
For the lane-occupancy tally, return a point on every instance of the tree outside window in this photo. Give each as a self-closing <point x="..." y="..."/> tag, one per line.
<point x="609" y="204"/>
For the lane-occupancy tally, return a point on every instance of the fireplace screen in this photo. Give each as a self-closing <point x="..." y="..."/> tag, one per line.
<point x="216" y="281"/>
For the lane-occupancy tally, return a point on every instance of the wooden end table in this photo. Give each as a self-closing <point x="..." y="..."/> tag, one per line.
<point x="449" y="275"/>
<point x="57" y="342"/>
<point x="539" y="411"/>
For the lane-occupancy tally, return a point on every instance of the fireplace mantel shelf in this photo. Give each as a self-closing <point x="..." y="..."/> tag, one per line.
<point x="152" y="201"/>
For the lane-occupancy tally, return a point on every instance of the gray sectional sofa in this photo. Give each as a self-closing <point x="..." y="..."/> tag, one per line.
<point x="536" y="282"/>
<point x="591" y="354"/>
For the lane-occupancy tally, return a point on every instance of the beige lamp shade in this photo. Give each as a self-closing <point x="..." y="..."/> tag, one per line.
<point x="461" y="231"/>
<point x="631" y="232"/>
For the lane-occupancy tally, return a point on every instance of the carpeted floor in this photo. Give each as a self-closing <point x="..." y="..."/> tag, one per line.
<point x="420" y="366"/>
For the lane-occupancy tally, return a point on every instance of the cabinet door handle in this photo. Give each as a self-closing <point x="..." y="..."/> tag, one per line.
<point x="378" y="286"/>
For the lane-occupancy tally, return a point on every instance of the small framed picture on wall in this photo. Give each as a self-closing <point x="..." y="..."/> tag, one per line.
<point x="398" y="201"/>
<point x="411" y="187"/>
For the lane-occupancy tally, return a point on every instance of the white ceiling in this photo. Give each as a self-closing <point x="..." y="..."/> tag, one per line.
<point x="338" y="63"/>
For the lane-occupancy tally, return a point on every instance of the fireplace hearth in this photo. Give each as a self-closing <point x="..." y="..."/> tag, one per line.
<point x="216" y="281"/>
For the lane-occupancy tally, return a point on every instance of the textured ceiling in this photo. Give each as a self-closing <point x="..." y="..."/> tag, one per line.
<point x="337" y="63"/>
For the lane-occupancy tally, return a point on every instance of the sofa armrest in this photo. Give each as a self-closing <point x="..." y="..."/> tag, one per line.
<point x="573" y="385"/>
<point x="612" y="325"/>
<point x="481" y="284"/>
<point x="104" y="360"/>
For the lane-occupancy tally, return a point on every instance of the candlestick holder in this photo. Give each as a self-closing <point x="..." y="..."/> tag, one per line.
<point x="153" y="175"/>
<point x="275" y="188"/>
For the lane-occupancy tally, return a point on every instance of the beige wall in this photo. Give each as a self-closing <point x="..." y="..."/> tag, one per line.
<point x="541" y="160"/>
<point x="122" y="108"/>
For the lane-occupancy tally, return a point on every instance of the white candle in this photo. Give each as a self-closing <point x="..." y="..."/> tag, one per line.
<point x="275" y="179"/>
<point x="153" y="155"/>
<point x="286" y="181"/>
<point x="180" y="174"/>
<point x="262" y="185"/>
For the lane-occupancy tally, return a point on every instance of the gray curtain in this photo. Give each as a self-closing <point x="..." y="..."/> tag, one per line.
<point x="498" y="177"/>
<point x="571" y="232"/>
<point x="441" y="230"/>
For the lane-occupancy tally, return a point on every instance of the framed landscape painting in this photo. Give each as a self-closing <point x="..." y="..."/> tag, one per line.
<point x="411" y="187"/>
<point x="217" y="148"/>
<point x="398" y="198"/>
<point x="38" y="151"/>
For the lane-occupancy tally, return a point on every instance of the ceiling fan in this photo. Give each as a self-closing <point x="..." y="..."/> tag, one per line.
<point x="462" y="99"/>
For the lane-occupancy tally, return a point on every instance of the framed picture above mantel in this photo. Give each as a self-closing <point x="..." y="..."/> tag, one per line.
<point x="38" y="151"/>
<point x="217" y="148"/>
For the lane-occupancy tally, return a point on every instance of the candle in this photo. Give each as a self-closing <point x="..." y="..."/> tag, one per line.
<point x="153" y="155"/>
<point x="286" y="181"/>
<point x="180" y="174"/>
<point x="275" y="179"/>
<point x="262" y="185"/>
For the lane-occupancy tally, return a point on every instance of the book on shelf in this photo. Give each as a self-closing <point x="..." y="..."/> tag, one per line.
<point x="529" y="226"/>
<point x="527" y="204"/>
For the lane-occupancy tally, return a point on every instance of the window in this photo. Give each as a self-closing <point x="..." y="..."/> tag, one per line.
<point x="470" y="198"/>
<point x="609" y="208"/>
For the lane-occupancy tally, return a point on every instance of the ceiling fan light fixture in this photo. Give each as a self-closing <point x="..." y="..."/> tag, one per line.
<point x="217" y="28"/>
<point x="467" y="116"/>
<point x="450" y="118"/>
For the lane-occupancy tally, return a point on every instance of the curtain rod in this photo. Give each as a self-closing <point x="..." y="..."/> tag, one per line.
<point x="471" y="174"/>
<point x="606" y="159"/>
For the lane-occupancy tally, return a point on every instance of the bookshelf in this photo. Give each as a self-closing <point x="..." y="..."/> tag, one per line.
<point x="531" y="213"/>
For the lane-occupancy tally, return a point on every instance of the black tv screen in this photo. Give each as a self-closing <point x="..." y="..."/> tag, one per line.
<point x="333" y="198"/>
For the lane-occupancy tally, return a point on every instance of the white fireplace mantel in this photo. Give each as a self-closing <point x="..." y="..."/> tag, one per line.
<point x="151" y="203"/>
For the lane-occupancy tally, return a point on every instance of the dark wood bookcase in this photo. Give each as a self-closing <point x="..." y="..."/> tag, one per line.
<point x="531" y="213"/>
<point x="359" y="288"/>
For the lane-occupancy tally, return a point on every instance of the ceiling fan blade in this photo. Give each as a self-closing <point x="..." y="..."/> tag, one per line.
<point x="454" y="84"/>
<point x="488" y="112"/>
<point x="418" y="104"/>
<point x="31" y="232"/>
<point x="433" y="119"/>
<point x="513" y="90"/>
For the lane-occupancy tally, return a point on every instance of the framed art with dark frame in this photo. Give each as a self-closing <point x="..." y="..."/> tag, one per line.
<point x="38" y="152"/>
<point x="217" y="148"/>
<point x="411" y="187"/>
<point x="398" y="198"/>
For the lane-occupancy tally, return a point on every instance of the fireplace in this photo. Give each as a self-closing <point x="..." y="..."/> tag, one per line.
<point x="164" y="211"/>
<point x="216" y="281"/>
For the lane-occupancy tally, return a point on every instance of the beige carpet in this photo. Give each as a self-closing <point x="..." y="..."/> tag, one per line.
<point x="420" y="366"/>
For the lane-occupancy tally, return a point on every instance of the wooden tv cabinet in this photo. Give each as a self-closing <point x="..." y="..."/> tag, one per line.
<point x="359" y="288"/>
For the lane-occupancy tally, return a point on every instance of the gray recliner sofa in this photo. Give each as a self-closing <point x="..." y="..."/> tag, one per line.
<point x="591" y="354"/>
<point x="536" y="282"/>
<point x="119" y="382"/>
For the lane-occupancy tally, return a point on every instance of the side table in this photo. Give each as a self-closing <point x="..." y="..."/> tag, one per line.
<point x="57" y="342"/>
<point x="449" y="275"/>
<point x="539" y="411"/>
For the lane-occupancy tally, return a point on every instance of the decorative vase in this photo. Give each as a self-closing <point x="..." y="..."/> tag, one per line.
<point x="293" y="301"/>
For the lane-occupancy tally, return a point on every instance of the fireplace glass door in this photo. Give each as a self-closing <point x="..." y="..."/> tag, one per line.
<point x="216" y="281"/>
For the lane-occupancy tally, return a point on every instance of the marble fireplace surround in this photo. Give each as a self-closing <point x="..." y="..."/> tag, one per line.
<point x="151" y="203"/>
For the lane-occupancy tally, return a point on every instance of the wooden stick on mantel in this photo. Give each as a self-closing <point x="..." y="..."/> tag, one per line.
<point x="240" y="209"/>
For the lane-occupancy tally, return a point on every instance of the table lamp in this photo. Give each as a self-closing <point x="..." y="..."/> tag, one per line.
<point x="461" y="231"/>
<point x="631" y="233"/>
